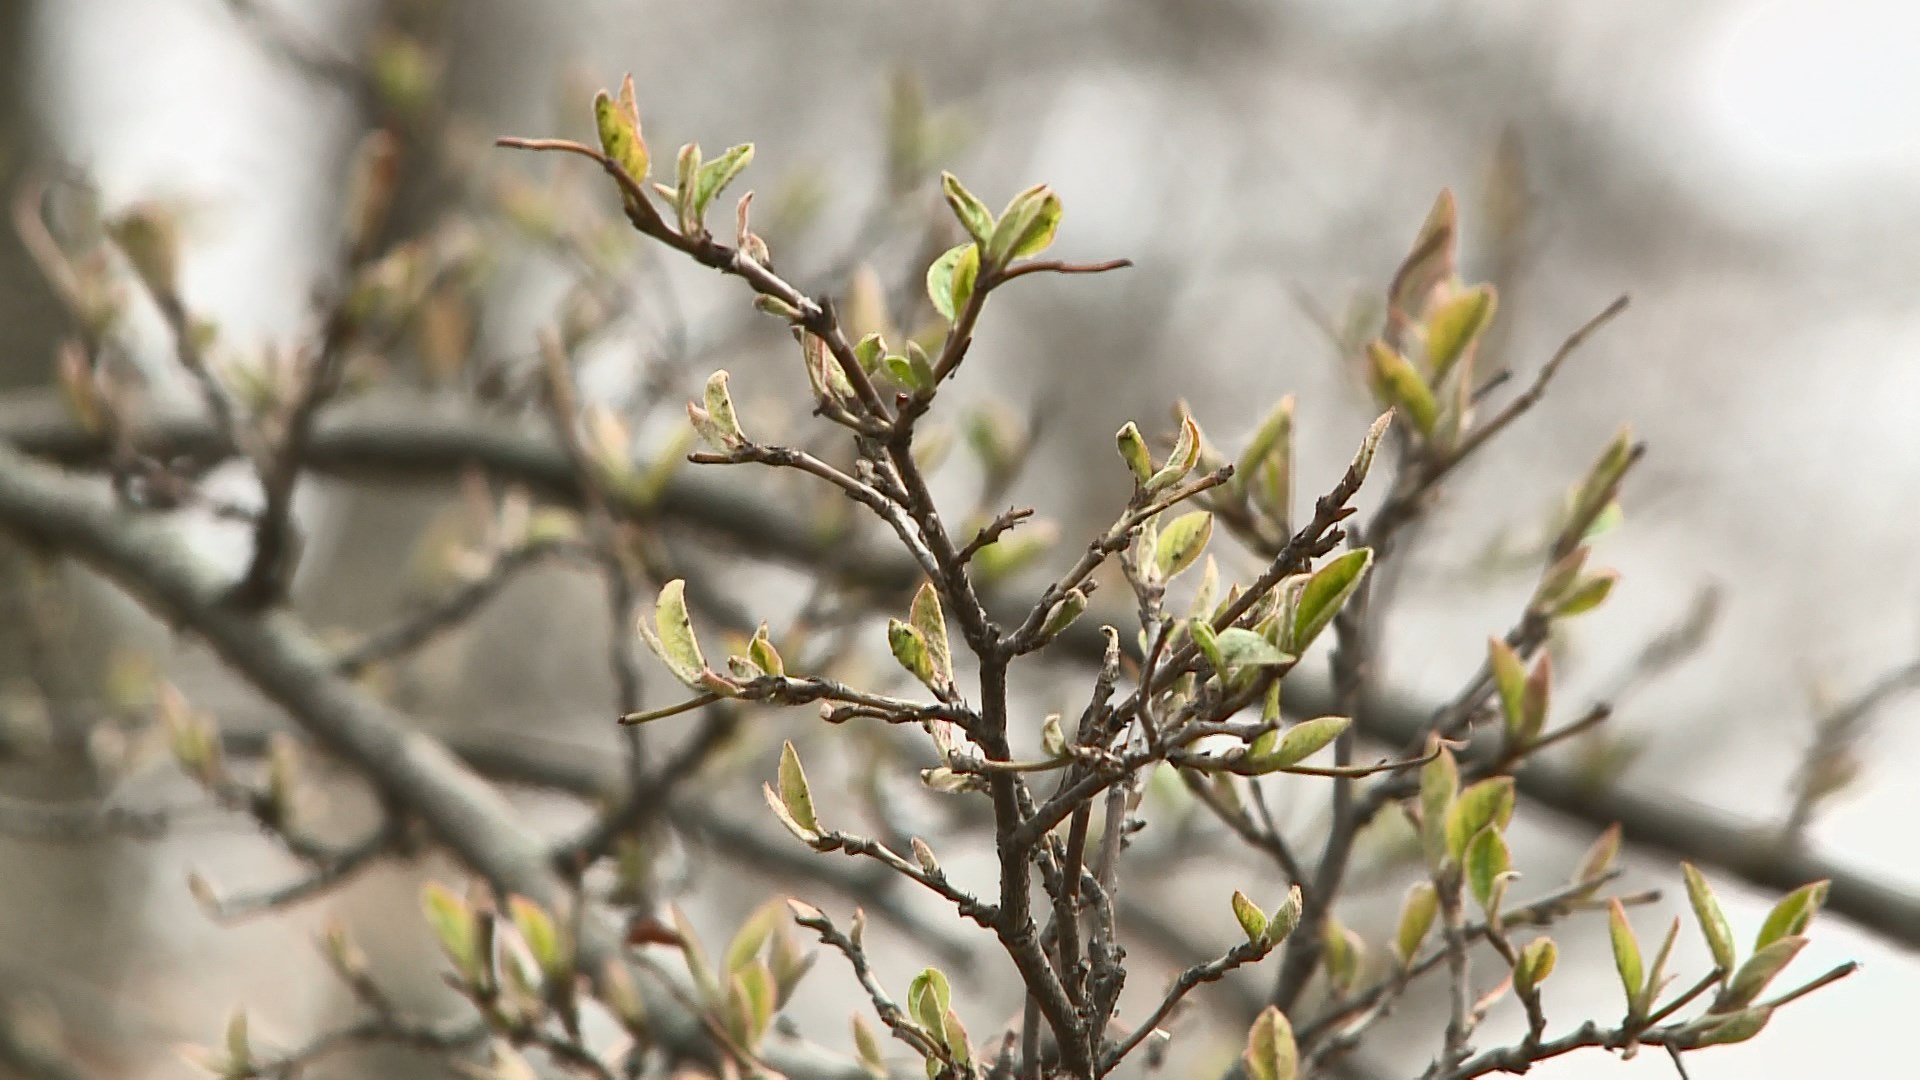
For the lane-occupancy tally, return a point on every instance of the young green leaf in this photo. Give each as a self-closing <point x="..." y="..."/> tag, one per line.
<point x="453" y="923"/>
<point x="926" y="617"/>
<point x="1586" y="593"/>
<point x="1486" y="861"/>
<point x="1186" y="454"/>
<point x="1416" y="919"/>
<point x="1208" y="643"/>
<point x="1253" y="921"/>
<point x="1455" y="324"/>
<point x="1344" y="955"/>
<point x="716" y="423"/>
<point x="1439" y="787"/>
<point x="1535" y="964"/>
<point x="794" y="792"/>
<point x="1626" y="957"/>
<point x="1735" y="1028"/>
<point x="753" y="935"/>
<point x="1284" y="918"/>
<point x="867" y="1045"/>
<point x="951" y="278"/>
<point x="910" y="648"/>
<point x="1510" y="679"/>
<point x="1535" y="697"/>
<point x="1599" y="857"/>
<point x="619" y="129"/>
<point x="929" y="997"/>
<point x="1713" y="921"/>
<point x="1398" y="384"/>
<point x="715" y="175"/>
<point x="1298" y="743"/>
<point x="973" y="213"/>
<point x="1181" y="542"/>
<point x="672" y="638"/>
<point x="1487" y="803"/>
<point x="705" y="980"/>
<point x="1026" y="226"/>
<point x="543" y="937"/>
<point x="1271" y="445"/>
<point x="1758" y="971"/>
<point x="1271" y="1053"/>
<point x="954" y="1034"/>
<point x="1431" y="260"/>
<point x="686" y="177"/>
<point x="761" y="651"/>
<point x="1792" y="914"/>
<point x="1326" y="592"/>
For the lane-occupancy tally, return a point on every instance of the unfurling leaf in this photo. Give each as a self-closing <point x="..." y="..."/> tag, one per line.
<point x="1052" y="738"/>
<point x="1344" y="955"/>
<point x="715" y="175"/>
<point x="672" y="638"/>
<point x="716" y="423"/>
<point x="1417" y="912"/>
<point x="1253" y="921"/>
<point x="1284" y="918"/>
<point x="951" y="278"/>
<point x="1486" y="862"/>
<point x="909" y="647"/>
<point x="973" y="213"/>
<point x="1271" y="446"/>
<point x="1535" y="964"/>
<point x="1186" y="454"/>
<point x="1601" y="485"/>
<point x="1071" y="607"/>
<point x="1487" y="803"/>
<point x="1180" y="543"/>
<point x="1439" y="786"/>
<point x="1271" y="1053"/>
<point x="1026" y="226"/>
<point x="1585" y="594"/>
<point x="619" y="128"/>
<point x="1430" y="262"/>
<point x="929" y="997"/>
<point x="1713" y="921"/>
<point x="1455" y="325"/>
<point x="764" y="656"/>
<point x="867" y="1045"/>
<point x="453" y="923"/>
<point x="1626" y="958"/>
<point x="1398" y="384"/>
<point x="1735" y="1028"/>
<point x="1133" y="451"/>
<point x="1327" y="591"/>
<point x="1792" y="914"/>
<point x="926" y="617"/>
<point x="1535" y="697"/>
<point x="1510" y="679"/>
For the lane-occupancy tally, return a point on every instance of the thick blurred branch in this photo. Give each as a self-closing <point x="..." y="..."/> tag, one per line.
<point x="276" y="654"/>
<point x="396" y="440"/>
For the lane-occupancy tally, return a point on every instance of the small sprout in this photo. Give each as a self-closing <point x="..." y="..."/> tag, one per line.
<point x="672" y="639"/>
<point x="1272" y="444"/>
<point x="1070" y="608"/>
<point x="1396" y="383"/>
<point x="686" y="178"/>
<point x="1417" y="913"/>
<point x="929" y="997"/>
<point x="454" y="924"/>
<point x="1585" y="594"/>
<point x="1271" y="1053"/>
<point x="1713" y="921"/>
<point x="698" y="966"/>
<point x="867" y="1046"/>
<point x="1026" y="226"/>
<point x="792" y="803"/>
<point x="1363" y="458"/>
<point x="954" y="1034"/>
<point x="1253" y="921"/>
<point x="1487" y="803"/>
<point x="1053" y="739"/>
<point x="1344" y="955"/>
<point x="1429" y="263"/>
<point x="1186" y="454"/>
<point x="1535" y="963"/>
<point x="1181" y="543"/>
<point x="1283" y="920"/>
<point x="545" y="939"/>
<point x="951" y="278"/>
<point x="1626" y="959"/>
<point x="910" y="649"/>
<point x="971" y="212"/>
<point x="1735" y="1028"/>
<point x="1133" y="451"/>
<point x="923" y="854"/>
<point x="764" y="656"/>
<point x="716" y="423"/>
<point x="1601" y="485"/>
<point x="1439" y="786"/>
<point x="1455" y="326"/>
<point x="1487" y="862"/>
<point x="752" y="936"/>
<point x="619" y="128"/>
<point x="1599" y="857"/>
<point x="715" y="175"/>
